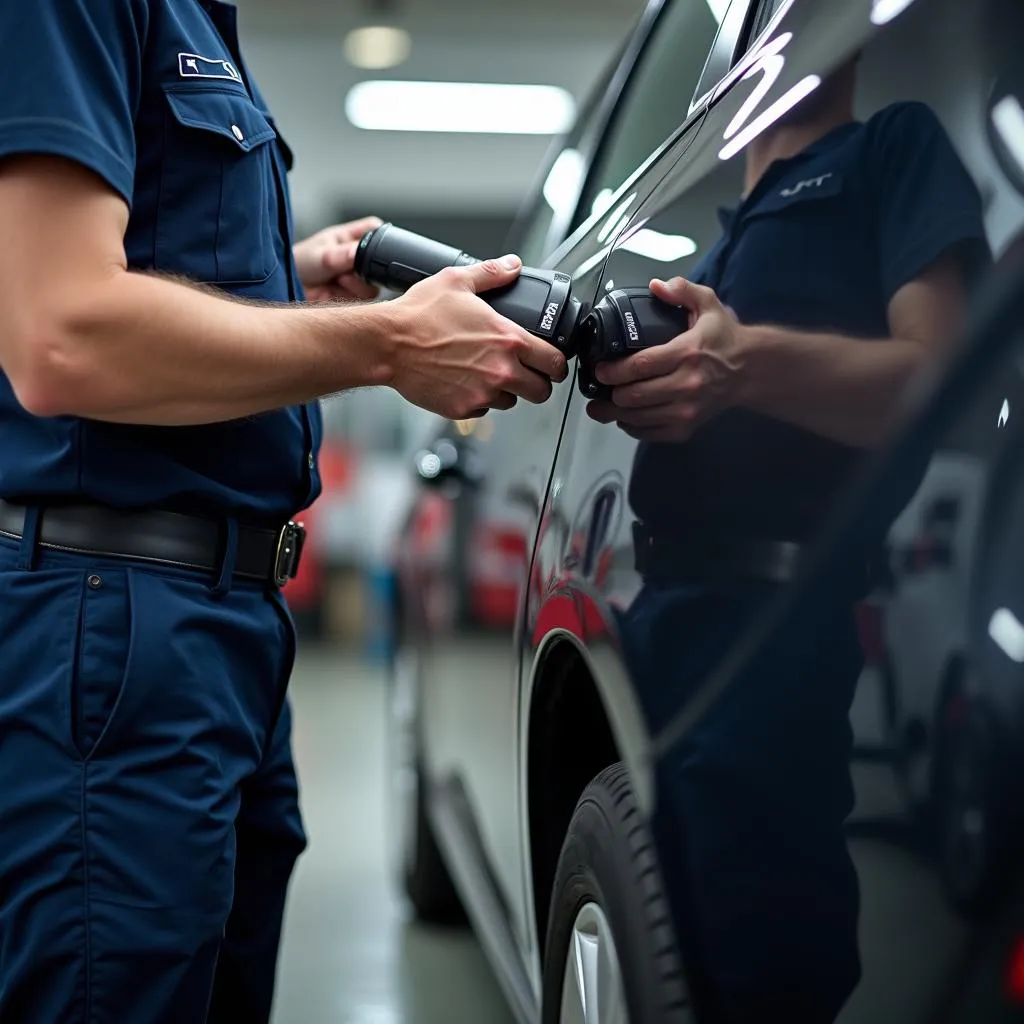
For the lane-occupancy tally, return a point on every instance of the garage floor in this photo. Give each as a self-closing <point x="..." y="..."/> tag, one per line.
<point x="348" y="956"/>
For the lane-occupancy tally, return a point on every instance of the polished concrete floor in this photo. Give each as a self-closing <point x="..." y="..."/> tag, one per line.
<point x="349" y="956"/>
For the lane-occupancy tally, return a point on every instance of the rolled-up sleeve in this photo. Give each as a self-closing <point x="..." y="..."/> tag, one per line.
<point x="70" y="82"/>
<point x="928" y="203"/>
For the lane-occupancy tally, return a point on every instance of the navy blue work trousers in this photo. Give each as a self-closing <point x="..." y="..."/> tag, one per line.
<point x="752" y="802"/>
<point x="149" y="817"/>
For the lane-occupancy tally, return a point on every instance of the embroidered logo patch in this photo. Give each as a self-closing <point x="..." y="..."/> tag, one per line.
<point x="191" y="65"/>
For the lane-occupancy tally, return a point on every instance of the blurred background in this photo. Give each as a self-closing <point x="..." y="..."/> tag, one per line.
<point x="442" y="167"/>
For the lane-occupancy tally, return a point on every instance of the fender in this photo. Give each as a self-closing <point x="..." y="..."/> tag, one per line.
<point x="571" y="614"/>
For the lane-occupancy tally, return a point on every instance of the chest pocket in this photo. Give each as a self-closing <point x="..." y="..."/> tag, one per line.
<point x="216" y="220"/>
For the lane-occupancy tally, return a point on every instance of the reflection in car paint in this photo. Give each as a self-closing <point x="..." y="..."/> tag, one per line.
<point x="1008" y="117"/>
<point x="884" y="11"/>
<point x="1008" y="633"/>
<point x="767" y="118"/>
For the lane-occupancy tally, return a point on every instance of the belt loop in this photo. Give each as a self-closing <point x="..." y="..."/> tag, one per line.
<point x="230" y="556"/>
<point x="29" y="538"/>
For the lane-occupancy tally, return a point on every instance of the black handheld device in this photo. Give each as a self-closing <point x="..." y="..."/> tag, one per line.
<point x="625" y="321"/>
<point x="540" y="301"/>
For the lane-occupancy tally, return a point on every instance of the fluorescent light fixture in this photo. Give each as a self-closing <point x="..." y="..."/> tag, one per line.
<point x="883" y="11"/>
<point x="718" y="9"/>
<point x="785" y="103"/>
<point x="1004" y="414"/>
<point x="460" y="107"/>
<point x="377" y="47"/>
<point x="617" y="220"/>
<point x="654" y="245"/>
<point x="1008" y="118"/>
<point x="770" y="63"/>
<point x="562" y="185"/>
<point x="1008" y="633"/>
<point x="602" y="202"/>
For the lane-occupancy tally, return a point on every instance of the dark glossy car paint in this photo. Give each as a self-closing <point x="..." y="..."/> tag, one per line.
<point x="516" y="711"/>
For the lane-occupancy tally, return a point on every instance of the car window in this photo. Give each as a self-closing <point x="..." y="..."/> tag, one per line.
<point x="657" y="100"/>
<point x="532" y="236"/>
<point x="765" y="14"/>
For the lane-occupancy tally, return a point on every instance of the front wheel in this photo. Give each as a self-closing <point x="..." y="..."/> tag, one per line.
<point x="611" y="955"/>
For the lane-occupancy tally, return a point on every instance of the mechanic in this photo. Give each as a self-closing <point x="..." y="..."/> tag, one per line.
<point x="839" y="278"/>
<point x="158" y="402"/>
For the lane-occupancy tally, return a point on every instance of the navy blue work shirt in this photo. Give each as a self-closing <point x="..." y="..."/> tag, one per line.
<point x="155" y="98"/>
<point x="822" y="243"/>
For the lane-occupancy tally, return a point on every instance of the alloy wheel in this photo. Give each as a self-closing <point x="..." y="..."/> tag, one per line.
<point x="592" y="989"/>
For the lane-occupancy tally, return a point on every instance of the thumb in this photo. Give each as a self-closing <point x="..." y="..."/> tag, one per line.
<point x="482" y="277"/>
<point x="680" y="292"/>
<point x="340" y="259"/>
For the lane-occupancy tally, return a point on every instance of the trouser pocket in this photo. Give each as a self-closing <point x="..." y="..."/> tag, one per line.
<point x="103" y="650"/>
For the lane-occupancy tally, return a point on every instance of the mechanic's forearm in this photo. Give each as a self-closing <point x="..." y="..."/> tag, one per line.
<point x="849" y="390"/>
<point x="148" y="350"/>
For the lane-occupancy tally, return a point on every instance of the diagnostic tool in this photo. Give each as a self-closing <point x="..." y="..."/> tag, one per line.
<point x="540" y="301"/>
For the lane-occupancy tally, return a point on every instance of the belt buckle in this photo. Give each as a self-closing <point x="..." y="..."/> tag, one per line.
<point x="290" y="542"/>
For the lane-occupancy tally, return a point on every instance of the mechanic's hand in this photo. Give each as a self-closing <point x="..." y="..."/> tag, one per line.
<point x="326" y="259"/>
<point x="457" y="357"/>
<point x="665" y="393"/>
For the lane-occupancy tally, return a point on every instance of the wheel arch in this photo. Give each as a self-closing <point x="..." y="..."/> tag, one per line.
<point x="573" y="733"/>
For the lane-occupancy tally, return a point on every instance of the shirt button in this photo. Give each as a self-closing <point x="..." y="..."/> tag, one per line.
<point x="310" y="461"/>
<point x="239" y="134"/>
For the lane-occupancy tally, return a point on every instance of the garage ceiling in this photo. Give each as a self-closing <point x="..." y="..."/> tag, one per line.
<point x="295" y="48"/>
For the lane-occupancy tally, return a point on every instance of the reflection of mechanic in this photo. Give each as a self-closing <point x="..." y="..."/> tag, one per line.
<point x="842" y="273"/>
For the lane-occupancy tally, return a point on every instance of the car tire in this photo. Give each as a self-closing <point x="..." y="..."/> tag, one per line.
<point x="970" y="823"/>
<point x="609" y="899"/>
<point x="418" y="863"/>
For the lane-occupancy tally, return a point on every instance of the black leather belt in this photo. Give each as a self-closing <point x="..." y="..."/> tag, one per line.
<point x="161" y="538"/>
<point x="715" y="559"/>
<point x="726" y="559"/>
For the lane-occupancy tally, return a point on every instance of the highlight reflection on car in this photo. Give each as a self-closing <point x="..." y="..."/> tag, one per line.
<point x="707" y="703"/>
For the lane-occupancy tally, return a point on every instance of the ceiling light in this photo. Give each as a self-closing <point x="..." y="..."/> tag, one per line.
<point x="654" y="245"/>
<point x="785" y="103"/>
<point x="602" y="202"/>
<point x="883" y="11"/>
<point x="377" y="47"/>
<point x="562" y="185"/>
<point x="1008" y="117"/>
<point x="1006" y="630"/>
<point x="460" y="107"/>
